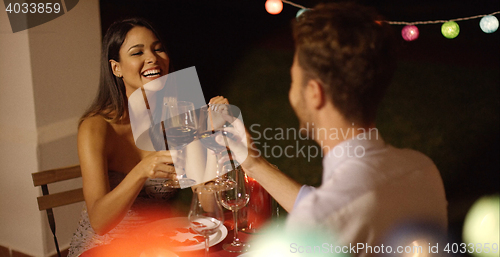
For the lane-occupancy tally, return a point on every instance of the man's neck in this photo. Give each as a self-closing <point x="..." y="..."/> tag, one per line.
<point x="331" y="129"/>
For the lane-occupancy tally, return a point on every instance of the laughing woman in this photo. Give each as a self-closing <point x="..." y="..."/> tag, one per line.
<point x="114" y="171"/>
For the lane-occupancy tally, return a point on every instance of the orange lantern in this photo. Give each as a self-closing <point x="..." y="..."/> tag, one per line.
<point x="274" y="6"/>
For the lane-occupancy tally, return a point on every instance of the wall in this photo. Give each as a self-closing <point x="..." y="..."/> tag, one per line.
<point x="48" y="76"/>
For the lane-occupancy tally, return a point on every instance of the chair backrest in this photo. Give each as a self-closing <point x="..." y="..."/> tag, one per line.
<point x="48" y="201"/>
<point x="44" y="178"/>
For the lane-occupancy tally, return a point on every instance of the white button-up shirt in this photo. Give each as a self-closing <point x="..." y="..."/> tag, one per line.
<point x="368" y="189"/>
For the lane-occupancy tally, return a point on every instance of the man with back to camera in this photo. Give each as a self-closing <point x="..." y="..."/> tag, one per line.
<point x="344" y="61"/>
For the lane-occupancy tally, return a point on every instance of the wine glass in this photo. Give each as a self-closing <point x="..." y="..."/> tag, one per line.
<point x="180" y="127"/>
<point x="205" y="215"/>
<point x="234" y="197"/>
<point x="214" y="120"/>
<point x="261" y="207"/>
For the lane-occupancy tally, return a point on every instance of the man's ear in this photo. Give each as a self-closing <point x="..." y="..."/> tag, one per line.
<point x="115" y="67"/>
<point x="315" y="94"/>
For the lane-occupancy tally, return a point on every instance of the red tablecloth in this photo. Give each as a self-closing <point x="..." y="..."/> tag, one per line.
<point x="128" y="248"/>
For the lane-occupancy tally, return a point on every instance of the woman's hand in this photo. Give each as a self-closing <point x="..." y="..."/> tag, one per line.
<point x="242" y="146"/>
<point x="218" y="107"/>
<point x="219" y="104"/>
<point x="219" y="100"/>
<point x="156" y="165"/>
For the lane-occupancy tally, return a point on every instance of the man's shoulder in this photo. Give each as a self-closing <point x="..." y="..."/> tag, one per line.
<point x="385" y="166"/>
<point x="390" y="157"/>
<point x="406" y="157"/>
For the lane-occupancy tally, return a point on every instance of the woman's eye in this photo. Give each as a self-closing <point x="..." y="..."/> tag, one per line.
<point x="137" y="53"/>
<point x="159" y="50"/>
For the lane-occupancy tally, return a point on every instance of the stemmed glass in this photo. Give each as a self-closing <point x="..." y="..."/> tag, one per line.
<point x="234" y="197"/>
<point x="205" y="215"/>
<point x="180" y="127"/>
<point x="214" y="119"/>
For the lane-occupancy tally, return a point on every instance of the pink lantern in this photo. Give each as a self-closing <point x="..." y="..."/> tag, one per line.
<point x="410" y="32"/>
<point x="274" y="6"/>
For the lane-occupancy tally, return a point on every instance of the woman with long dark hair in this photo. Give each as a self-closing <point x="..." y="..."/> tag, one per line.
<point x="114" y="170"/>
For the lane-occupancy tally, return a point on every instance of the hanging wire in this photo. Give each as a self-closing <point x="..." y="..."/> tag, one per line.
<point x="413" y="22"/>
<point x="293" y="4"/>
<point x="438" y="21"/>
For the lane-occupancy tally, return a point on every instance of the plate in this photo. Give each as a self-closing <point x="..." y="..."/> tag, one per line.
<point x="178" y="229"/>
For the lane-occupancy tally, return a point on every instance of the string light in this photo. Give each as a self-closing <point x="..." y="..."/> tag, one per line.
<point x="300" y="12"/>
<point x="489" y="24"/>
<point x="410" y="32"/>
<point x="450" y="29"/>
<point x="274" y="6"/>
<point x="439" y="21"/>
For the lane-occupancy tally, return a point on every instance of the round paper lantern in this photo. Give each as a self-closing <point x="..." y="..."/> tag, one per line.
<point x="274" y="6"/>
<point x="410" y="32"/>
<point x="450" y="29"/>
<point x="300" y="12"/>
<point x="489" y="24"/>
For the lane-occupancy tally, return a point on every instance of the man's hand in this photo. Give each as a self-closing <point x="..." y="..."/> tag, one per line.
<point x="240" y="143"/>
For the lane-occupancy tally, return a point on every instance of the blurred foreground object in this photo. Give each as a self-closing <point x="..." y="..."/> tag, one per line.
<point x="481" y="226"/>
<point x="272" y="242"/>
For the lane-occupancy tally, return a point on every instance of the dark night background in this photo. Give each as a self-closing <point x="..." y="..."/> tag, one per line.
<point x="444" y="100"/>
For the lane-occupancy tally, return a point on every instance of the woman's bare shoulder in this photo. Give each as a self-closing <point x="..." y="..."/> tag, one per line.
<point x="95" y="127"/>
<point x="96" y="122"/>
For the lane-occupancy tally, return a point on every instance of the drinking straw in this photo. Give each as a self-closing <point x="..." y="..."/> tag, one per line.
<point x="173" y="112"/>
<point x="151" y="117"/>
<point x="210" y="116"/>
<point x="230" y="155"/>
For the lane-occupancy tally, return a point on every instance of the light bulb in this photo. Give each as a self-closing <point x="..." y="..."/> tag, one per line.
<point x="450" y="29"/>
<point x="274" y="6"/>
<point x="300" y="12"/>
<point x="489" y="24"/>
<point x="410" y="32"/>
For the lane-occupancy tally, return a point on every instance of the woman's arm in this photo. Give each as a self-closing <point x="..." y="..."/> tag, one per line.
<point x="107" y="208"/>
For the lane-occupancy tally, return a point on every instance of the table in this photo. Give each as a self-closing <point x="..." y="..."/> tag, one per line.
<point x="129" y="248"/>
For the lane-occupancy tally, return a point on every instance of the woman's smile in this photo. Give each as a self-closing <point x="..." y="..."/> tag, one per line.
<point x="142" y="59"/>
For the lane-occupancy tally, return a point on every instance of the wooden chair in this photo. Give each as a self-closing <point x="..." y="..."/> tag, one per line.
<point x="48" y="201"/>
